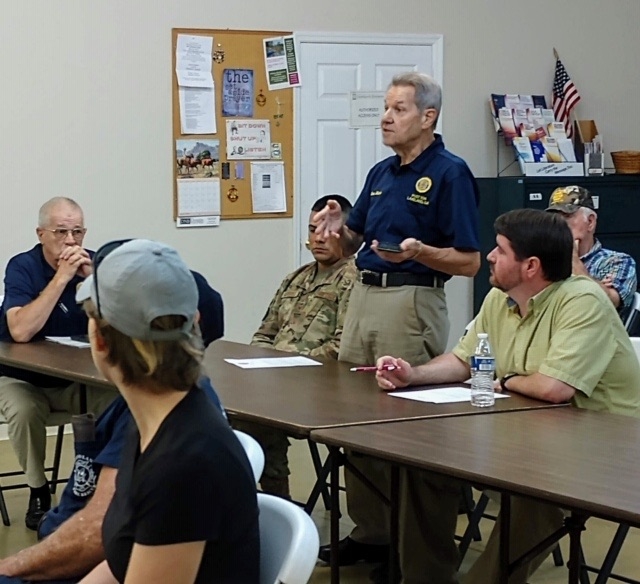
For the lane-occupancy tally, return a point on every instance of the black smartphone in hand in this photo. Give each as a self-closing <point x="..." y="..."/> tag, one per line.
<point x="390" y="247"/>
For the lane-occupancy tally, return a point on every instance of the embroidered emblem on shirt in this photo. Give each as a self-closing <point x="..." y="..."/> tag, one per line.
<point x="423" y="184"/>
<point x="376" y="193"/>
<point x="84" y="477"/>
<point x="420" y="199"/>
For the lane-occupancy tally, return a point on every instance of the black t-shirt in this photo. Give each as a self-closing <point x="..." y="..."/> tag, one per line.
<point x="193" y="482"/>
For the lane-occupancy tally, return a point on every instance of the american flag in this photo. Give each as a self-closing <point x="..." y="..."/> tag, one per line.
<point x="565" y="96"/>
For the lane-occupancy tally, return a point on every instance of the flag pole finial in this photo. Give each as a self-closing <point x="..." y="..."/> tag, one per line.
<point x="555" y="53"/>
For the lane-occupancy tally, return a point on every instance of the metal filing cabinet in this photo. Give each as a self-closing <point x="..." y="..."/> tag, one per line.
<point x="618" y="202"/>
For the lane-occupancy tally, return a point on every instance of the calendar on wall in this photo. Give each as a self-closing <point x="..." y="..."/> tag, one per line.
<point x="199" y="197"/>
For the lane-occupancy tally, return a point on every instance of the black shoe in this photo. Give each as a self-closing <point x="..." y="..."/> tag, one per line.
<point x="351" y="552"/>
<point x="380" y="574"/>
<point x="39" y="504"/>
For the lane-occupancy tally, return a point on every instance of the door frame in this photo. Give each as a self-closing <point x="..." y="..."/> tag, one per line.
<point x="434" y="41"/>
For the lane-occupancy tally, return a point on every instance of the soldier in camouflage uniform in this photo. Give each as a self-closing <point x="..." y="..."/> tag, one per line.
<point x="305" y="316"/>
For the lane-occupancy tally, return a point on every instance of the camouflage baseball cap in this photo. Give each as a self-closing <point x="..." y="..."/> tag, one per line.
<point x="570" y="199"/>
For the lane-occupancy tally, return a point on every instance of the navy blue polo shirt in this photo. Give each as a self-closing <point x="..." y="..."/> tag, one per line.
<point x="211" y="310"/>
<point x="434" y="199"/>
<point x="27" y="275"/>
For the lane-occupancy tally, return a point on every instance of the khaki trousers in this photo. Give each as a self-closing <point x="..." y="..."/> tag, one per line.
<point x="409" y="322"/>
<point x="403" y="321"/>
<point x="26" y="407"/>
<point x="531" y="522"/>
<point x="428" y="515"/>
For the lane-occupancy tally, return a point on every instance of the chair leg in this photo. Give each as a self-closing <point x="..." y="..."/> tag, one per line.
<point x="56" y="460"/>
<point x="468" y="505"/>
<point x="474" y="521"/>
<point x="317" y="465"/>
<point x="3" y="509"/>
<point x="558" y="560"/>
<point x="612" y="554"/>
<point x="584" y="572"/>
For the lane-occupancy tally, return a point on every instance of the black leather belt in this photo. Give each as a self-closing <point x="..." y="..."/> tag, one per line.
<point x="399" y="279"/>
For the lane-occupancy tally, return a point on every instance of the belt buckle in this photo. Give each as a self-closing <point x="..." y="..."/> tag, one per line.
<point x="364" y="274"/>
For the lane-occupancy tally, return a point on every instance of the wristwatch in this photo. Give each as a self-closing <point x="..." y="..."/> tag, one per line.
<point x="503" y="380"/>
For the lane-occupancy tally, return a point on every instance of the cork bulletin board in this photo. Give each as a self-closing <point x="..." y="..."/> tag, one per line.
<point x="236" y="50"/>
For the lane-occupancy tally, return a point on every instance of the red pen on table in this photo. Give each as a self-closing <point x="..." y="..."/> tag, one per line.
<point x="374" y="368"/>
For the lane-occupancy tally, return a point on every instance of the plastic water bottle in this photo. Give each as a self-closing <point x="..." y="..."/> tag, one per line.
<point x="483" y="366"/>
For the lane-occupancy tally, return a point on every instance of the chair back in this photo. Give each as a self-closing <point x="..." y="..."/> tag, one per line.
<point x="634" y="313"/>
<point x="289" y="542"/>
<point x="254" y="453"/>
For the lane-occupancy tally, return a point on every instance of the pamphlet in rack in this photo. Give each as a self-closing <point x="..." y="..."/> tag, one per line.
<point x="541" y="143"/>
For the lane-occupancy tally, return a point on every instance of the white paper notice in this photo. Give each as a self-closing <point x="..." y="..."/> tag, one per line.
<point x="197" y="110"/>
<point x="367" y="108"/>
<point x="267" y="187"/>
<point x="193" y="61"/>
<point x="248" y="139"/>
<point x="440" y="395"/>
<point x="269" y="362"/>
<point x="281" y="62"/>
<point x="69" y="342"/>
<point x="198" y="197"/>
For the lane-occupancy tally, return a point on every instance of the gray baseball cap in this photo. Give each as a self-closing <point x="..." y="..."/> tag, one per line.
<point x="138" y="282"/>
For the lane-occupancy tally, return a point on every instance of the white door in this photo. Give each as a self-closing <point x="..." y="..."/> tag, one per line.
<point x="331" y="157"/>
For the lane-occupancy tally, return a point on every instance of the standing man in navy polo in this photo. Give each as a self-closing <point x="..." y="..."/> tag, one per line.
<point x="39" y="300"/>
<point x="422" y="201"/>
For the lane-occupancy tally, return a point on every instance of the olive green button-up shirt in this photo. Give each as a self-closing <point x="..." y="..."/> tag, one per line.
<point x="571" y="332"/>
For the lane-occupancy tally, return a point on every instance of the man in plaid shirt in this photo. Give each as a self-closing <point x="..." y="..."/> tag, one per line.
<point x="613" y="270"/>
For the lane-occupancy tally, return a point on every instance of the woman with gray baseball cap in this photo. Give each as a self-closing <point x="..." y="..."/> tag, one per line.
<point x="185" y="500"/>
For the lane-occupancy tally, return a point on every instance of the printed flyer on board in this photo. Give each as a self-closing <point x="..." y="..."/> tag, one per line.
<point x="281" y="62"/>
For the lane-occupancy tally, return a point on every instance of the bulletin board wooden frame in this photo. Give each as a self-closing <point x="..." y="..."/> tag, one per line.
<point x="243" y="49"/>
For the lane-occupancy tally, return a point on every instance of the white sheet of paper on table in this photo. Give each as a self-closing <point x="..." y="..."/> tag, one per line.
<point x="440" y="395"/>
<point x="268" y="362"/>
<point x="69" y="342"/>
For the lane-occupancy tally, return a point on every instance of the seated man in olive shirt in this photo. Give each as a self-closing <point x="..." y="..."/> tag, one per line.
<point x="555" y="337"/>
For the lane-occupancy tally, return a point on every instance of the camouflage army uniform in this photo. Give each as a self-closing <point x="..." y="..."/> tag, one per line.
<point x="305" y="316"/>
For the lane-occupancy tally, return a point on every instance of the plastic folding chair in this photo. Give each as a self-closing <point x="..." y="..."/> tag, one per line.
<point x="254" y="453"/>
<point x="289" y="542"/>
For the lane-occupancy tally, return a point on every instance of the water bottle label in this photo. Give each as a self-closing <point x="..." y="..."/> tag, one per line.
<point x="484" y="363"/>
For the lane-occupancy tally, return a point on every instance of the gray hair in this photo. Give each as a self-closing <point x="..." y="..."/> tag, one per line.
<point x="428" y="91"/>
<point x="588" y="212"/>
<point x="44" y="215"/>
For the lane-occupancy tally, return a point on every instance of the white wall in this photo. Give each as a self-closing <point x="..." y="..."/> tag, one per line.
<point x="86" y="104"/>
